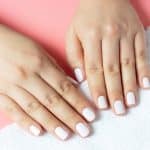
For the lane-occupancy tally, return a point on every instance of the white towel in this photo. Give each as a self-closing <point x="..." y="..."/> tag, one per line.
<point x="131" y="132"/>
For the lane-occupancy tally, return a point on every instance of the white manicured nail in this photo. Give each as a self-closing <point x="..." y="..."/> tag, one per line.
<point x="34" y="130"/>
<point x="61" y="133"/>
<point x="119" y="107"/>
<point x="78" y="74"/>
<point x="89" y="114"/>
<point x="130" y="98"/>
<point x="82" y="130"/>
<point x="146" y="82"/>
<point x="102" y="103"/>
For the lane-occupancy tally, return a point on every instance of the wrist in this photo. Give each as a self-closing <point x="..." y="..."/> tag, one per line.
<point x="102" y="1"/>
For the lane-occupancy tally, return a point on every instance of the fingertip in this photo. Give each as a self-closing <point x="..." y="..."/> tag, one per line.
<point x="131" y="99"/>
<point x="79" y="74"/>
<point x="145" y="83"/>
<point x="119" y="108"/>
<point x="35" y="130"/>
<point x="83" y="129"/>
<point x="89" y="114"/>
<point x="102" y="103"/>
<point x="62" y="133"/>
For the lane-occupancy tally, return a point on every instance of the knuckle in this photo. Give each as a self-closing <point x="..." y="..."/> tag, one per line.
<point x="112" y="29"/>
<point x="37" y="61"/>
<point x="65" y="86"/>
<point x="127" y="62"/>
<point x="52" y="99"/>
<point x="125" y="26"/>
<point x="141" y="55"/>
<point x="92" y="33"/>
<point x="55" y="99"/>
<point x="20" y="73"/>
<point x="32" y="107"/>
<point x="112" y="69"/>
<point x="10" y="109"/>
<point x="95" y="69"/>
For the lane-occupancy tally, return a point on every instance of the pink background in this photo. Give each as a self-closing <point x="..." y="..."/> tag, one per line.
<point x="47" y="20"/>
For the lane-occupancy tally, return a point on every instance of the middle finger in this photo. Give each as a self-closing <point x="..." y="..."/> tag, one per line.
<point x="112" y="74"/>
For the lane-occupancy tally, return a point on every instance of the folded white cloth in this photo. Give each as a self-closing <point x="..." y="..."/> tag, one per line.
<point x="131" y="132"/>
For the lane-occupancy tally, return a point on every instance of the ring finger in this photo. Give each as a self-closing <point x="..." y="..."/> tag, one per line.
<point x="128" y="70"/>
<point x="94" y="71"/>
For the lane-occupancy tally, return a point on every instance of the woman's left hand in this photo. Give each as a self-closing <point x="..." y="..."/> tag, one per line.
<point x="106" y="45"/>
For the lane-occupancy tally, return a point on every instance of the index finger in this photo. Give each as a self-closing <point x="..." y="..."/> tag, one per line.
<point x="67" y="90"/>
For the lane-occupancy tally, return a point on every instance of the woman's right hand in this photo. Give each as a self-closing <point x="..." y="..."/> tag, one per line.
<point x="36" y="93"/>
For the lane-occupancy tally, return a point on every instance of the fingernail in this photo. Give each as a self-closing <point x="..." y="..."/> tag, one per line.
<point x="34" y="130"/>
<point x="82" y="130"/>
<point x="119" y="107"/>
<point x="130" y="98"/>
<point x="102" y="103"/>
<point x="146" y="82"/>
<point x="61" y="133"/>
<point x="89" y="114"/>
<point x="78" y="74"/>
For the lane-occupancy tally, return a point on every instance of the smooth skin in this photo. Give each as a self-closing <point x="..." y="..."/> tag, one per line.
<point x="108" y="43"/>
<point x="36" y="93"/>
<point x="106" y="40"/>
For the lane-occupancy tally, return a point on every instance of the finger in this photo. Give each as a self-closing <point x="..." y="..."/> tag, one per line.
<point x="8" y="106"/>
<point x="57" y="105"/>
<point x="75" y="55"/>
<point x="110" y="48"/>
<point x="39" y="113"/>
<point x="55" y="63"/>
<point x="142" y="61"/>
<point x="68" y="91"/>
<point x="128" y="70"/>
<point x="94" y="71"/>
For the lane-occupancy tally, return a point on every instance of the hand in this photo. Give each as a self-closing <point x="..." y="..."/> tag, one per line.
<point x="34" y="91"/>
<point x="106" y="45"/>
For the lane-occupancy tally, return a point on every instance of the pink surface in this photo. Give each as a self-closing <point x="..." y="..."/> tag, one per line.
<point x="47" y="20"/>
